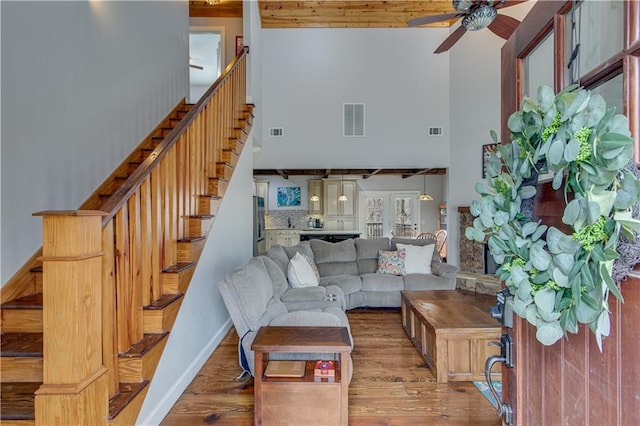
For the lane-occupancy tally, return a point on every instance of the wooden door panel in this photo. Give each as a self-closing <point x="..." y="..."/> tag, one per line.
<point x="572" y="382"/>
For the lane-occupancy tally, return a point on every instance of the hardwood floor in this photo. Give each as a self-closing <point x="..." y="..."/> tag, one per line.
<point x="390" y="384"/>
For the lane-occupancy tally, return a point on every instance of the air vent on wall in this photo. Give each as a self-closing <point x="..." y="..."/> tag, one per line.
<point x="435" y="131"/>
<point x="353" y="119"/>
<point x="276" y="132"/>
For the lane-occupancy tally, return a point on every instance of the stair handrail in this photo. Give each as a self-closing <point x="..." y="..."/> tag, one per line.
<point x="121" y="195"/>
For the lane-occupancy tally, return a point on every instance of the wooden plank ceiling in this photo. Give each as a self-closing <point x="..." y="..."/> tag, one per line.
<point x="329" y="14"/>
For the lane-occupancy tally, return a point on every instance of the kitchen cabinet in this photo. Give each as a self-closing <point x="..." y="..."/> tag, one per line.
<point x="340" y="215"/>
<point x="261" y="189"/>
<point x="339" y="224"/>
<point x="282" y="237"/>
<point x="315" y="187"/>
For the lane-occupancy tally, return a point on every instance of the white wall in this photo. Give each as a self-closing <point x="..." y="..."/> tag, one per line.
<point x="85" y="82"/>
<point x="475" y="110"/>
<point x="308" y="74"/>
<point x="203" y="320"/>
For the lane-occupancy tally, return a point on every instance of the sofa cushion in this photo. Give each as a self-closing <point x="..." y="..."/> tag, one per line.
<point x="301" y="272"/>
<point x="248" y="295"/>
<point x="382" y="282"/>
<point x="279" y="256"/>
<point x="348" y="283"/>
<point x="428" y="282"/>
<point x="417" y="259"/>
<point x="335" y="258"/>
<point x="278" y="278"/>
<point x="415" y="242"/>
<point x="367" y="253"/>
<point x="303" y="247"/>
<point x="391" y="262"/>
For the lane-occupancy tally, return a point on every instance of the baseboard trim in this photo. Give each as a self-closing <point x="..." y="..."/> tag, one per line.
<point x="174" y="393"/>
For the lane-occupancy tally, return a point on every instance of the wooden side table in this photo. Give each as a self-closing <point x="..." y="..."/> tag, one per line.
<point x="301" y="400"/>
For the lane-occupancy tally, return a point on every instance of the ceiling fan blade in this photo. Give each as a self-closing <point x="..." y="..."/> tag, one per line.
<point x="198" y="67"/>
<point x="430" y="19"/>
<point x="451" y="40"/>
<point x="503" y="26"/>
<point x="507" y="3"/>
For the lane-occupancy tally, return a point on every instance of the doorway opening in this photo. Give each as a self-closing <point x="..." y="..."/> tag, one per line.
<point x="206" y="53"/>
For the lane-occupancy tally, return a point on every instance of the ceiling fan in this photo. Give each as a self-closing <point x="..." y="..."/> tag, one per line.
<point x="476" y="15"/>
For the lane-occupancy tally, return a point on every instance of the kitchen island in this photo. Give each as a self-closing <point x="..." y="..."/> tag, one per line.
<point x="329" y="236"/>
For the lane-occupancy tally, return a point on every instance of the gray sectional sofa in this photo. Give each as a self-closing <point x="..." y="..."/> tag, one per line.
<point x="259" y="293"/>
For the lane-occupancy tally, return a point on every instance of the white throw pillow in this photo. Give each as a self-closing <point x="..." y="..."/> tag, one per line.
<point x="417" y="259"/>
<point x="300" y="272"/>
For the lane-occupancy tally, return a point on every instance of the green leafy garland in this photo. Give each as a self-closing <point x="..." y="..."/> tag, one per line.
<point x="560" y="280"/>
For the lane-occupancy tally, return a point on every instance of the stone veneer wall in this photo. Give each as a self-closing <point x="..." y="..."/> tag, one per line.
<point x="471" y="276"/>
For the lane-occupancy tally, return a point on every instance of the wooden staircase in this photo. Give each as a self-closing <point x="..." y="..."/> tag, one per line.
<point x="144" y="229"/>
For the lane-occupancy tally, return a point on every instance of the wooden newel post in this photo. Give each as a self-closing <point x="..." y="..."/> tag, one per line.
<point x="74" y="389"/>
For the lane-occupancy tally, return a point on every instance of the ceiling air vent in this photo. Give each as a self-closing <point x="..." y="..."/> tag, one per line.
<point x="435" y="131"/>
<point x="276" y="132"/>
<point x="353" y="118"/>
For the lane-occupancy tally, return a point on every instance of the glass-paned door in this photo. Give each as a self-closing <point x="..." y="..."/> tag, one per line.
<point x="405" y="222"/>
<point x="374" y="217"/>
<point x="387" y="214"/>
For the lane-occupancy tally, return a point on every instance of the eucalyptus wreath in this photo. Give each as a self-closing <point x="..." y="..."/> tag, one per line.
<point x="560" y="280"/>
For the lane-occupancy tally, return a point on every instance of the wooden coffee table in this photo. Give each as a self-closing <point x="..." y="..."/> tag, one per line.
<point x="301" y="400"/>
<point x="451" y="330"/>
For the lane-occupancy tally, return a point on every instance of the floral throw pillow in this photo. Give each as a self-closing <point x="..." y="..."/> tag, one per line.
<point x="391" y="262"/>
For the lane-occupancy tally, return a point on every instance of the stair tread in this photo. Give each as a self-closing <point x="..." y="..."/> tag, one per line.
<point x="18" y="400"/>
<point x="179" y="267"/>
<point x="143" y="346"/>
<point x="32" y="301"/>
<point x="126" y="393"/>
<point x="163" y="302"/>
<point x="21" y="345"/>
<point x="202" y="216"/>
<point x="191" y="239"/>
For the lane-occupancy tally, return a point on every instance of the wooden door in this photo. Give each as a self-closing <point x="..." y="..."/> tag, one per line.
<point x="572" y="382"/>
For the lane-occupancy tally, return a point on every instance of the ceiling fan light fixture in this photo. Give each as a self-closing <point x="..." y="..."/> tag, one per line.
<point x="212" y="2"/>
<point x="462" y="5"/>
<point x="479" y="18"/>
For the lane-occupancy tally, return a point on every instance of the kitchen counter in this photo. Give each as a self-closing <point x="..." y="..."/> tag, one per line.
<point x="330" y="236"/>
<point x="320" y="231"/>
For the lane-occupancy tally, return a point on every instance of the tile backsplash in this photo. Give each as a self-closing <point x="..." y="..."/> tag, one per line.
<point x="278" y="219"/>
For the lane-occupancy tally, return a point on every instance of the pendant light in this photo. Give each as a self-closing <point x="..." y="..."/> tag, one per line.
<point x="342" y="197"/>
<point x="314" y="196"/>
<point x="424" y="196"/>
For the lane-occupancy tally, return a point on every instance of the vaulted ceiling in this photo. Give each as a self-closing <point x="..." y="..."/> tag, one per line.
<point x="329" y="14"/>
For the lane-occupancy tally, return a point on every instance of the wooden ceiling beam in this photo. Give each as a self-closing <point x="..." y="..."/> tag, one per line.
<point x="366" y="173"/>
<point x="373" y="173"/>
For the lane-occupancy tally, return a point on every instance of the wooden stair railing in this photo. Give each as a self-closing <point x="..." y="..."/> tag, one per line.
<point x="115" y="271"/>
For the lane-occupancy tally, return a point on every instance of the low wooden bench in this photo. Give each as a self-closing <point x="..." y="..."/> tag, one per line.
<point x="451" y="330"/>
